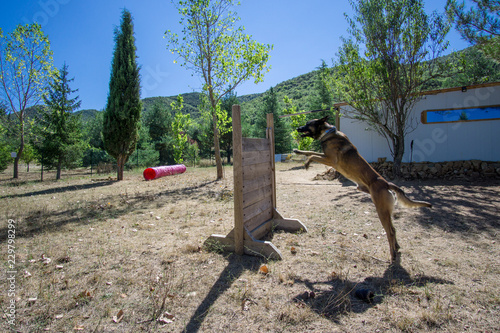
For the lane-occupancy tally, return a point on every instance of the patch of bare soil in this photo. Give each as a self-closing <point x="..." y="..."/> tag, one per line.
<point x="105" y="256"/>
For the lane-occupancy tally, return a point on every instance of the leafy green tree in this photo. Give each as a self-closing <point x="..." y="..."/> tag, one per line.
<point x="218" y="51"/>
<point x="225" y="127"/>
<point x="480" y="24"/>
<point x="62" y="144"/>
<point x="28" y="155"/>
<point x="303" y="143"/>
<point x="179" y="130"/>
<point x="205" y="132"/>
<point x="123" y="108"/>
<point x="476" y="69"/>
<point x="384" y="64"/>
<point x="25" y="71"/>
<point x="95" y="153"/>
<point x="159" y="123"/>
<point x="145" y="154"/>
<point x="5" y="158"/>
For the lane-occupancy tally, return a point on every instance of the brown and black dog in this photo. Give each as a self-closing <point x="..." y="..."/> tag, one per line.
<point x="342" y="155"/>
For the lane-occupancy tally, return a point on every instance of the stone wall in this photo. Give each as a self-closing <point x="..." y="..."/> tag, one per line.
<point x="473" y="169"/>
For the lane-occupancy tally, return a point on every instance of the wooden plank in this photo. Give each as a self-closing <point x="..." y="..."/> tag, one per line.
<point x="251" y="172"/>
<point x="257" y="195"/>
<point x="257" y="220"/>
<point x="262" y="230"/>
<point x="270" y="136"/>
<point x="255" y="157"/>
<point x="238" y="181"/>
<point x="262" y="248"/>
<point x="264" y="205"/>
<point x="256" y="183"/>
<point x="254" y="144"/>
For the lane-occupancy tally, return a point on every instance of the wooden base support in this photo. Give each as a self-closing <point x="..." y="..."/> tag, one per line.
<point x="252" y="245"/>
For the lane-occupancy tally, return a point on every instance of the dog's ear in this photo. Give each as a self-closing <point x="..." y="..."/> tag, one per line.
<point x="324" y="119"/>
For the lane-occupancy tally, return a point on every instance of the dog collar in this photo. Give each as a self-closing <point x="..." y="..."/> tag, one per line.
<point x="331" y="130"/>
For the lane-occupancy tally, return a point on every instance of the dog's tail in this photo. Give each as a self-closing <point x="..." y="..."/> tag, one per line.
<point x="404" y="200"/>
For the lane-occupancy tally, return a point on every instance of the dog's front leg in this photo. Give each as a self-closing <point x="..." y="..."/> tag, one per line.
<point x="313" y="157"/>
<point x="307" y="153"/>
<point x="319" y="159"/>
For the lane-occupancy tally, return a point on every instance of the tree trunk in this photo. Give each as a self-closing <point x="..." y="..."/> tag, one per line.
<point x="120" y="162"/>
<point x="399" y="150"/>
<point x="58" y="174"/>
<point x="218" y="159"/>
<point x="19" y="152"/>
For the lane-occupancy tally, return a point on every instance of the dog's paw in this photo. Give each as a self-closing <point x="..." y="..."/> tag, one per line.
<point x="307" y="166"/>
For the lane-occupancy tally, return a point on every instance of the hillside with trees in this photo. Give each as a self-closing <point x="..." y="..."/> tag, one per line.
<point x="303" y="93"/>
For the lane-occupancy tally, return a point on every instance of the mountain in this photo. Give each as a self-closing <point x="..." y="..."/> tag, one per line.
<point x="87" y="114"/>
<point x="302" y="90"/>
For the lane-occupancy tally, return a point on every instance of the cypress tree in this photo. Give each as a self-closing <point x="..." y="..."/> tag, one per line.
<point x="123" y="109"/>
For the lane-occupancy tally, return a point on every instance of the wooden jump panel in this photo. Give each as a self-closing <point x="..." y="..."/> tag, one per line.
<point x="254" y="144"/>
<point x="256" y="183"/>
<point x="255" y="213"/>
<point x="255" y="171"/>
<point x="255" y="157"/>
<point x="254" y="196"/>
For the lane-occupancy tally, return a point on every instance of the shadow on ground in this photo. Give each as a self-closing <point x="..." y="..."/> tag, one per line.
<point x="62" y="189"/>
<point x="342" y="299"/>
<point x="236" y="265"/>
<point x="43" y="220"/>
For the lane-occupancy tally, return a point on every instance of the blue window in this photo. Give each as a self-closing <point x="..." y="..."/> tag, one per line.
<point x="464" y="114"/>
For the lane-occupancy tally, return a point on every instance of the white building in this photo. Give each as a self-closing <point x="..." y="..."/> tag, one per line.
<point x="452" y="124"/>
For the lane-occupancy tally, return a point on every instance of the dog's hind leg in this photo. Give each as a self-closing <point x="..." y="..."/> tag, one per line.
<point x="363" y="188"/>
<point x="384" y="203"/>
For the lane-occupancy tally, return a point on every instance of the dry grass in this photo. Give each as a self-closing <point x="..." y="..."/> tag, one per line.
<point x="134" y="250"/>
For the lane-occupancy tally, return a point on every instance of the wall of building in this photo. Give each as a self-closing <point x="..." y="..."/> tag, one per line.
<point x="437" y="142"/>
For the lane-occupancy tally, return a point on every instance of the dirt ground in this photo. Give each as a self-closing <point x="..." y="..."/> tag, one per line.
<point x="95" y="255"/>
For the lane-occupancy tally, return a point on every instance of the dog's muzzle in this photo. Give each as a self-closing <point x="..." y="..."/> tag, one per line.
<point x="304" y="130"/>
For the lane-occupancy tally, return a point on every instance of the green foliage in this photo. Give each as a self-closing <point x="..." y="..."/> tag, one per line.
<point x="25" y="57"/>
<point x="480" y="24"/>
<point x="218" y="51"/>
<point x="5" y="158"/>
<point x="29" y="154"/>
<point x="475" y="69"/>
<point x="179" y="130"/>
<point x="385" y="63"/>
<point x="214" y="48"/>
<point x="25" y="70"/>
<point x="92" y="132"/>
<point x="303" y="143"/>
<point x="322" y="98"/>
<point x="282" y="137"/>
<point x="62" y="144"/>
<point x="123" y="108"/>
<point x="225" y="123"/>
<point x="145" y="154"/>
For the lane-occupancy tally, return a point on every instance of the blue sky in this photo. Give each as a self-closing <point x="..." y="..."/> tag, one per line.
<point x="303" y="33"/>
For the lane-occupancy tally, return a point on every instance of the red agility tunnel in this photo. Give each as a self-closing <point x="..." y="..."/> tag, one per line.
<point x="162" y="171"/>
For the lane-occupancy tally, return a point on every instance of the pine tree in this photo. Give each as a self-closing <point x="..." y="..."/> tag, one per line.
<point x="282" y="138"/>
<point x="123" y="109"/>
<point x="62" y="144"/>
